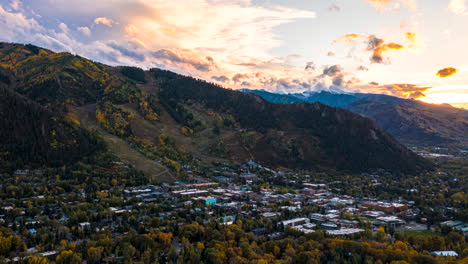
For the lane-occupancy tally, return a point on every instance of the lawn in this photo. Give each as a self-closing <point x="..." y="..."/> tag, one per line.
<point x="418" y="233"/>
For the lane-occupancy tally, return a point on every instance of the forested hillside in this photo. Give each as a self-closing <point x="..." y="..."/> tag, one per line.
<point x="33" y="136"/>
<point x="410" y="121"/>
<point x="175" y="119"/>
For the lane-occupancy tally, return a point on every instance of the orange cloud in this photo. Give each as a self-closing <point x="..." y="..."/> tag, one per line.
<point x="404" y="90"/>
<point x="378" y="48"/>
<point x="446" y="72"/>
<point x="380" y="4"/>
<point x="348" y="38"/>
<point x="104" y="20"/>
<point x="377" y="45"/>
<point x="411" y="36"/>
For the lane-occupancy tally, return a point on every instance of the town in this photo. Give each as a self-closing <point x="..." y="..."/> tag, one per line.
<point x="281" y="202"/>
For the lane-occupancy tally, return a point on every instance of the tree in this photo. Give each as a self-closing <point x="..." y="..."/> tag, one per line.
<point x="37" y="260"/>
<point x="68" y="257"/>
<point x="400" y="246"/>
<point x="128" y="250"/>
<point x="95" y="254"/>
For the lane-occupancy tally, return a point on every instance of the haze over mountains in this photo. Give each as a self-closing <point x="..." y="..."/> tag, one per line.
<point x="159" y="115"/>
<point x="410" y="121"/>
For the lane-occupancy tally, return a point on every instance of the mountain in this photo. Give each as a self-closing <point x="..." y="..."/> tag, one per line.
<point x="164" y="119"/>
<point x="410" y="121"/>
<point x="275" y="98"/>
<point x="33" y="136"/>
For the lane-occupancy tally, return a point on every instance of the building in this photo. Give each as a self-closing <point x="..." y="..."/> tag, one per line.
<point x="390" y="221"/>
<point x="315" y="186"/>
<point x="445" y="253"/>
<point x="209" y="200"/>
<point x="188" y="193"/>
<point x="84" y="225"/>
<point x="386" y="207"/>
<point x="318" y="218"/>
<point x="345" y="231"/>
<point x="295" y="222"/>
<point x="228" y="220"/>
<point x="329" y="226"/>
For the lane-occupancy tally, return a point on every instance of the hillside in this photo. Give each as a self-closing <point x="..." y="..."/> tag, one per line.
<point x="176" y="120"/>
<point x="33" y="136"/>
<point x="410" y="121"/>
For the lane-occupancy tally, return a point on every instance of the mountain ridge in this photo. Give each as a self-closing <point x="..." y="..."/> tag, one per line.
<point x="410" y="121"/>
<point x="177" y="119"/>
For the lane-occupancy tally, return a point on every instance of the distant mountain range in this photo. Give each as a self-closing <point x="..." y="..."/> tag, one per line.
<point x="57" y="107"/>
<point x="410" y="121"/>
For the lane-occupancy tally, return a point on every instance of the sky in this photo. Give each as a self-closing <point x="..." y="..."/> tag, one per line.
<point x="408" y="48"/>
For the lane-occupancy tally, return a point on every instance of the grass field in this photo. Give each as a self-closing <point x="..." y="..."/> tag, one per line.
<point x="418" y="233"/>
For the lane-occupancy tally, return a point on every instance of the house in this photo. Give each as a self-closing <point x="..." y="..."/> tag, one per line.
<point x="228" y="220"/>
<point x="445" y="253"/>
<point x="209" y="200"/>
<point x="49" y="254"/>
<point x="85" y="225"/>
<point x="21" y="172"/>
<point x="270" y="215"/>
<point x="308" y="191"/>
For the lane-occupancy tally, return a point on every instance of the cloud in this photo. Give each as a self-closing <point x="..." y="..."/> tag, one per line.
<point x="63" y="27"/>
<point x="379" y="47"/>
<point x="16" y="25"/>
<point x="15" y="4"/>
<point x="208" y="38"/>
<point x="362" y="68"/>
<point x="446" y="72"/>
<point x="239" y="77"/>
<point x="185" y="59"/>
<point x="85" y="30"/>
<point x="227" y="30"/>
<point x="457" y="7"/>
<point x="310" y="66"/>
<point x="229" y="42"/>
<point x="381" y="4"/>
<point x="245" y="84"/>
<point x="350" y="38"/>
<point x="129" y="50"/>
<point x="332" y="70"/>
<point x="221" y="78"/>
<point x="104" y="20"/>
<point x="410" y="91"/>
<point x="336" y="73"/>
<point x="404" y="90"/>
<point x="334" y="8"/>
<point x="411" y="36"/>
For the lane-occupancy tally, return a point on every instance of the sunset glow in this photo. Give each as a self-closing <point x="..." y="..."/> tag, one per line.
<point x="276" y="45"/>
